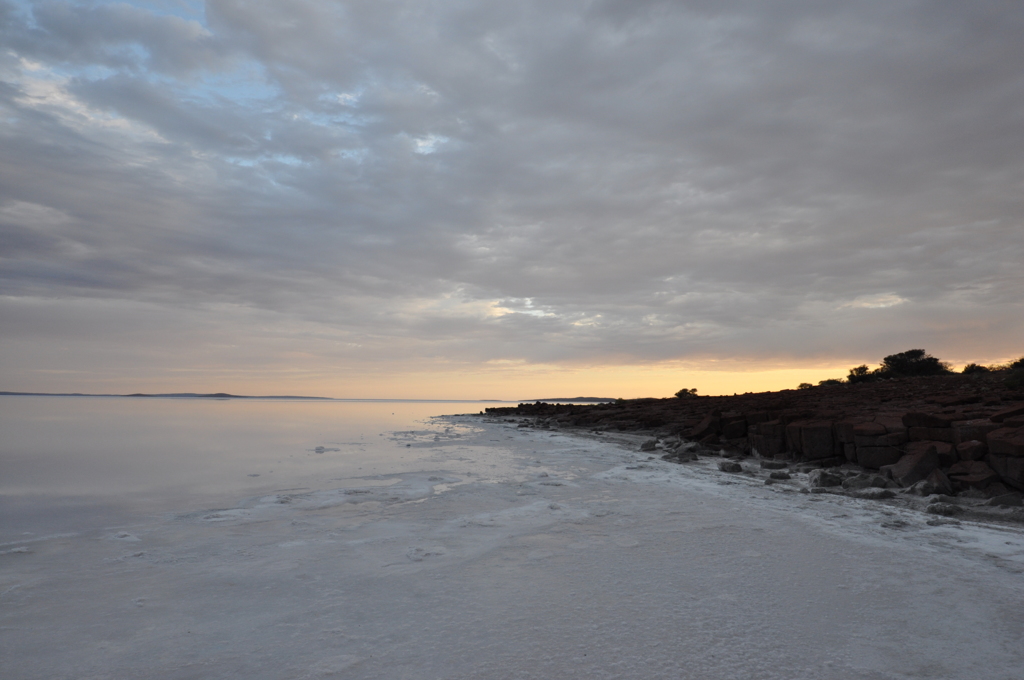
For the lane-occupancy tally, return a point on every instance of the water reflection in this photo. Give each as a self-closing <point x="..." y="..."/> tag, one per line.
<point x="100" y="456"/>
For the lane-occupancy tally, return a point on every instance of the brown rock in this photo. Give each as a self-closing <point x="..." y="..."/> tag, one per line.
<point x="945" y="509"/>
<point x="919" y="462"/>
<point x="939" y="434"/>
<point x="1007" y="413"/>
<point x="774" y="464"/>
<point x="940" y="482"/>
<point x="758" y="417"/>
<point x="874" y="457"/>
<point x="773" y="428"/>
<point x="844" y="431"/>
<point x="1006" y="441"/>
<point x="816" y="440"/>
<point x="850" y="452"/>
<point x="730" y="466"/>
<point x="765" y="446"/>
<point x="706" y="427"/>
<point x="821" y="478"/>
<point x="917" y="419"/>
<point x="1007" y="500"/>
<point x="891" y="423"/>
<point x="968" y="430"/>
<point x="869" y="430"/>
<point x="734" y="429"/>
<point x="947" y="454"/>
<point x="793" y="438"/>
<point x="973" y="473"/>
<point x="1009" y="468"/>
<point x="971" y="450"/>
<point x="767" y="438"/>
<point x="890" y="439"/>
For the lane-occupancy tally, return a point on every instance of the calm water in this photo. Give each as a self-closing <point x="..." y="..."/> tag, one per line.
<point x="71" y="462"/>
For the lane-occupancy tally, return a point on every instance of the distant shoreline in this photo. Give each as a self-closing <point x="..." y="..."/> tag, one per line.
<point x="225" y="396"/>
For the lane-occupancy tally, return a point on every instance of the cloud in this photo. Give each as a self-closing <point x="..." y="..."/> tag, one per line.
<point x="576" y="182"/>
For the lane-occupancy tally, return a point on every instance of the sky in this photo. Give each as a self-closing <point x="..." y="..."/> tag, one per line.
<point x="508" y="200"/>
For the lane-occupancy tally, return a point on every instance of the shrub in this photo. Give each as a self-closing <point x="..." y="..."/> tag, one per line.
<point x="971" y="369"/>
<point x="831" y="381"/>
<point x="860" y="374"/>
<point x="1016" y="378"/>
<point x="804" y="386"/>
<point x="687" y="392"/>
<point x="913" y="362"/>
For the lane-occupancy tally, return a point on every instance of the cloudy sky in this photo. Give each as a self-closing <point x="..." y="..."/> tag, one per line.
<point x="473" y="198"/>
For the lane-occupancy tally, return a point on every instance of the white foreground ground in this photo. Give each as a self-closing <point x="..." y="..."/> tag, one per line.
<point x="523" y="554"/>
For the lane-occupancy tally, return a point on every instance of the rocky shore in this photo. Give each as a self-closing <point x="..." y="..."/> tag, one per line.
<point x="956" y="439"/>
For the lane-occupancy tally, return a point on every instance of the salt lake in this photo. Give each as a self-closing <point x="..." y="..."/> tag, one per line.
<point x="167" y="539"/>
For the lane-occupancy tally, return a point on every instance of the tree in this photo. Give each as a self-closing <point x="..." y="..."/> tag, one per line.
<point x="1015" y="380"/>
<point x="687" y="392"/>
<point x="804" y="386"/>
<point x="974" y="368"/>
<point x="913" y="362"/>
<point x="860" y="374"/>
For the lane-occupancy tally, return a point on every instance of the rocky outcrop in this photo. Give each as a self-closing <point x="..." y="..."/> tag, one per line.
<point x="959" y="431"/>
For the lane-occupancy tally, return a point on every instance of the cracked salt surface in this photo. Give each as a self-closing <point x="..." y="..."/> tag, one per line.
<point x="533" y="558"/>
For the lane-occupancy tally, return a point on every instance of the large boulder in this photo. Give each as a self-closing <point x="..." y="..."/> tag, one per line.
<point x="707" y="427"/>
<point x="734" y="425"/>
<point x="1007" y="413"/>
<point x="972" y="430"/>
<point x="947" y="454"/>
<point x="1006" y="441"/>
<point x="794" y="440"/>
<point x="916" y="464"/>
<point x="868" y="429"/>
<point x="730" y="466"/>
<point x="1009" y="468"/>
<point x="971" y="450"/>
<point x="941" y="482"/>
<point x="816" y="440"/>
<point x="875" y="457"/>
<point x="973" y="473"/>
<point x="844" y="431"/>
<point x="767" y="438"/>
<point x="935" y="483"/>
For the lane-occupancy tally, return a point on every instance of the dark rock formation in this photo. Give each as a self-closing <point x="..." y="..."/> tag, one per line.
<point x="916" y="425"/>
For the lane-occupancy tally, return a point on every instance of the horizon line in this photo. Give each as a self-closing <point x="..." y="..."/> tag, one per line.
<point x="226" y="396"/>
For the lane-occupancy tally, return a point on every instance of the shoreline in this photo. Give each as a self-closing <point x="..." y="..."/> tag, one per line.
<point x="958" y="440"/>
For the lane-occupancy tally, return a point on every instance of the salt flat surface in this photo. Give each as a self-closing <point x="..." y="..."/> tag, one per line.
<point x="513" y="553"/>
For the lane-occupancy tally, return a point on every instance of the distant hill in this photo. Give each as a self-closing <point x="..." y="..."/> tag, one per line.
<point x="174" y="395"/>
